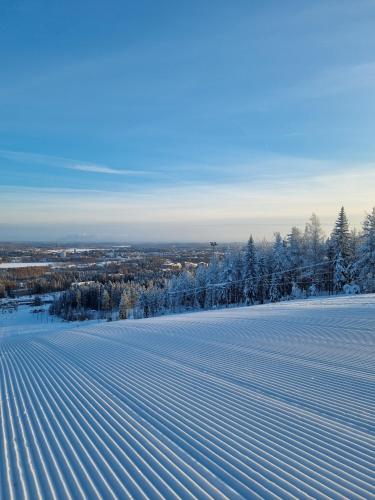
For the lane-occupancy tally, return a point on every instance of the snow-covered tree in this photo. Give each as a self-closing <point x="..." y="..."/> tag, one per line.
<point x="200" y="286"/>
<point x="279" y="266"/>
<point x="274" y="294"/>
<point x="340" y="273"/>
<point x="341" y="236"/>
<point x="341" y="251"/>
<point x="124" y="305"/>
<point x="262" y="278"/>
<point x="295" y="260"/>
<point x="213" y="291"/>
<point x="250" y="272"/>
<point x="366" y="261"/>
<point x="296" y="292"/>
<point x="314" y="249"/>
<point x="105" y="301"/>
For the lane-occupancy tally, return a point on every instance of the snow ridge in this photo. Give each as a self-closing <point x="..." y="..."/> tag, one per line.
<point x="263" y="402"/>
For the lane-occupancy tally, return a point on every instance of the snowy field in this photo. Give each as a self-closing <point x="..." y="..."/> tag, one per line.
<point x="17" y="265"/>
<point x="273" y="401"/>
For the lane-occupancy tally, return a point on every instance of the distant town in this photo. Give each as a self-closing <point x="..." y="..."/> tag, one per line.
<point x="27" y="269"/>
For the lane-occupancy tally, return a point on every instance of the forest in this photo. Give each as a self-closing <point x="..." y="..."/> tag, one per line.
<point x="301" y="264"/>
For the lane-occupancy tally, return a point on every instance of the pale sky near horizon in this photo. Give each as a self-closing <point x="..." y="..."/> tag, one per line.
<point x="184" y="121"/>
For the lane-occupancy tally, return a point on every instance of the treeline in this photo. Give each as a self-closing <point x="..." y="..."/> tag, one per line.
<point x="110" y="300"/>
<point x="302" y="264"/>
<point x="36" y="280"/>
<point x="40" y="280"/>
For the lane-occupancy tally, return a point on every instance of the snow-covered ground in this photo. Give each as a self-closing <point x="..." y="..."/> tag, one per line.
<point x="17" y="265"/>
<point x="261" y="402"/>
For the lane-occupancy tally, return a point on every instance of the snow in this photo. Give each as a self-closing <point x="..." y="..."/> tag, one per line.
<point x="273" y="401"/>
<point x="16" y="265"/>
<point x="23" y="321"/>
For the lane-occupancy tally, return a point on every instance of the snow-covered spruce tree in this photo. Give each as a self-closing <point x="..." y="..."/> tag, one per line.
<point x="340" y="245"/>
<point x="341" y="236"/>
<point x="314" y="252"/>
<point x="142" y="307"/>
<point x="262" y="278"/>
<point x="365" y="264"/>
<point x="226" y="277"/>
<point x="235" y="277"/>
<point x="250" y="272"/>
<point x="274" y="294"/>
<point x="213" y="290"/>
<point x="279" y="281"/>
<point x="355" y="245"/>
<point x="173" y="295"/>
<point x="200" y="286"/>
<point x="155" y="301"/>
<point x="186" y="288"/>
<point x="340" y="273"/>
<point x="294" y="254"/>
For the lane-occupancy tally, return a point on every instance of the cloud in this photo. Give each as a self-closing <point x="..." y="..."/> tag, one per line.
<point x="339" y="79"/>
<point x="99" y="169"/>
<point x="60" y="162"/>
<point x="260" y="207"/>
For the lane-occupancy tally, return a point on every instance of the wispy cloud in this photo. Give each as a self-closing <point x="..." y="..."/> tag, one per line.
<point x="237" y="204"/>
<point x="328" y="83"/>
<point x="339" y="79"/>
<point x="67" y="163"/>
<point x="100" y="169"/>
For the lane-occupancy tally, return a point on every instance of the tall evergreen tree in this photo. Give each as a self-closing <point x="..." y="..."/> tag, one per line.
<point x="340" y="275"/>
<point x="366" y="262"/>
<point x="250" y="272"/>
<point x="200" y="286"/>
<point x="313" y="248"/>
<point x="124" y="305"/>
<point x="340" y="242"/>
<point x="213" y="290"/>
<point x="262" y="278"/>
<point x="295" y="256"/>
<point x="341" y="236"/>
<point x="279" y="264"/>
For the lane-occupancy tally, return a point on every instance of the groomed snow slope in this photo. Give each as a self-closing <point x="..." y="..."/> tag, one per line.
<point x="260" y="402"/>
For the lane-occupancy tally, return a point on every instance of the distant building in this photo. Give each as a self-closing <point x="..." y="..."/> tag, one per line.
<point x="190" y="265"/>
<point x="173" y="265"/>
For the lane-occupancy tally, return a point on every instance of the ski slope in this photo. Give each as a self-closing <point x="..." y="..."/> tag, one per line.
<point x="273" y="401"/>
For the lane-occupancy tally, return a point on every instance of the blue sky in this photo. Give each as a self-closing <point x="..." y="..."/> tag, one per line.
<point x="161" y="120"/>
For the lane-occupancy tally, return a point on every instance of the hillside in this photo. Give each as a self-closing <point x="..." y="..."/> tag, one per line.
<point x="263" y="402"/>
